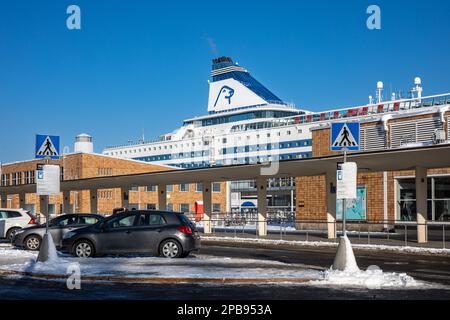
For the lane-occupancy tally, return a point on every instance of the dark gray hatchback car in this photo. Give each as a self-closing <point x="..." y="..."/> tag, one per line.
<point x="169" y="234"/>
<point x="30" y="237"/>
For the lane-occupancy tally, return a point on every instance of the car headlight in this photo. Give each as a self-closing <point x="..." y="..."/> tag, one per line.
<point x="69" y="235"/>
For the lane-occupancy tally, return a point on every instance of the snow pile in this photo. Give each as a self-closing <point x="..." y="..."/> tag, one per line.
<point x="345" y="258"/>
<point x="47" y="251"/>
<point x="52" y="253"/>
<point x="373" y="278"/>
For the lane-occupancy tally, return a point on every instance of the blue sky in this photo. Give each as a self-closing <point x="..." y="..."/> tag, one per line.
<point x="144" y="65"/>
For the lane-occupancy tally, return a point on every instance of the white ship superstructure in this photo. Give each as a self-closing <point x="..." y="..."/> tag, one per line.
<point x="246" y="123"/>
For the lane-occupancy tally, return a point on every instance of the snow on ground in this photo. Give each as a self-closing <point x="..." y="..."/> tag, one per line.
<point x="406" y="249"/>
<point x="147" y="266"/>
<point x="207" y="266"/>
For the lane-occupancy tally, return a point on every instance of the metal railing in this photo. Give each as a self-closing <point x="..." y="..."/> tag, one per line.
<point x="389" y="233"/>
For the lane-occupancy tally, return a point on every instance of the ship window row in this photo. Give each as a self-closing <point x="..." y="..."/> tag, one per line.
<point x="244" y="160"/>
<point x="140" y="150"/>
<point x="245" y="116"/>
<point x="268" y="146"/>
<point x="180" y="155"/>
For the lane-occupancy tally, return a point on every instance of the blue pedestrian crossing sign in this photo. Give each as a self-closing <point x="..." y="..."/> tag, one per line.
<point x="345" y="136"/>
<point x="47" y="147"/>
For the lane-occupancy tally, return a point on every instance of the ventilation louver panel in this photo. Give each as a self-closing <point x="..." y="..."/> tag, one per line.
<point x="372" y="138"/>
<point x="414" y="132"/>
<point x="403" y="133"/>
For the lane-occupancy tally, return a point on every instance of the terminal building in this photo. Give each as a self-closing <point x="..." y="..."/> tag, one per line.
<point x="246" y="123"/>
<point x="82" y="163"/>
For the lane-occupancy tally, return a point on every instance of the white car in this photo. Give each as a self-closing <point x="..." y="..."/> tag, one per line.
<point x="12" y="220"/>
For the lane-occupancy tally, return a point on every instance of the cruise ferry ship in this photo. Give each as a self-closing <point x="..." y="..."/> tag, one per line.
<point x="247" y="123"/>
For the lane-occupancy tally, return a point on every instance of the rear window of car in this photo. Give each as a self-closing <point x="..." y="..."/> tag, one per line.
<point x="66" y="221"/>
<point x="14" y="214"/>
<point x="185" y="220"/>
<point x="150" y="219"/>
<point x="9" y="214"/>
<point x="88" y="220"/>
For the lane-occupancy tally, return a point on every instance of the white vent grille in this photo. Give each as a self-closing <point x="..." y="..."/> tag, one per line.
<point x="427" y="128"/>
<point x="372" y="138"/>
<point x="414" y="132"/>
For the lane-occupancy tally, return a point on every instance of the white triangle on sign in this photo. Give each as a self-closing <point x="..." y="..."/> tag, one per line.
<point x="47" y="148"/>
<point x="345" y="138"/>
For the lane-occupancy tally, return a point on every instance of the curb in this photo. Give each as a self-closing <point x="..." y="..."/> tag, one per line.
<point x="114" y="279"/>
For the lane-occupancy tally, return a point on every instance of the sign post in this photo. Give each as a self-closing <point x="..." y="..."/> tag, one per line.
<point x="345" y="137"/>
<point x="47" y="184"/>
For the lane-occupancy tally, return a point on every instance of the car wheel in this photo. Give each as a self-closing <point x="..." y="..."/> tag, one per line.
<point x="11" y="232"/>
<point x="33" y="242"/>
<point x="170" y="249"/>
<point x="83" y="249"/>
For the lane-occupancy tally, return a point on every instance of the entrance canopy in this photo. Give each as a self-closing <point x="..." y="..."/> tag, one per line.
<point x="436" y="156"/>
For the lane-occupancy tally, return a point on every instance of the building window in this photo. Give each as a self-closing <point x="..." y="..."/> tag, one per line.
<point x="5" y="180"/>
<point x="440" y="206"/>
<point x="406" y="199"/>
<point x="29" y="177"/>
<point x="105" y="194"/>
<point x="216" y="207"/>
<point x="184" y="207"/>
<point x="170" y="207"/>
<point x="169" y="188"/>
<point x="15" y="180"/>
<point x="104" y="171"/>
<point x="134" y="189"/>
<point x="184" y="187"/>
<point x="150" y="188"/>
<point x="151" y="206"/>
<point x="216" y="187"/>
<point x="198" y="187"/>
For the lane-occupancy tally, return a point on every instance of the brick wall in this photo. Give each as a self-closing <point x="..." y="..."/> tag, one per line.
<point x="79" y="166"/>
<point x="310" y="192"/>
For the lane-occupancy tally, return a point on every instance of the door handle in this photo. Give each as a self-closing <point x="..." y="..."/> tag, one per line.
<point x="128" y="232"/>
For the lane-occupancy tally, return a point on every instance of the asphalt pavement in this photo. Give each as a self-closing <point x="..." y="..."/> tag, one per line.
<point x="433" y="268"/>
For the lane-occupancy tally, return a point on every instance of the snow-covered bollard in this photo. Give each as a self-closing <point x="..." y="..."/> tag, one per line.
<point x="345" y="258"/>
<point x="47" y="251"/>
